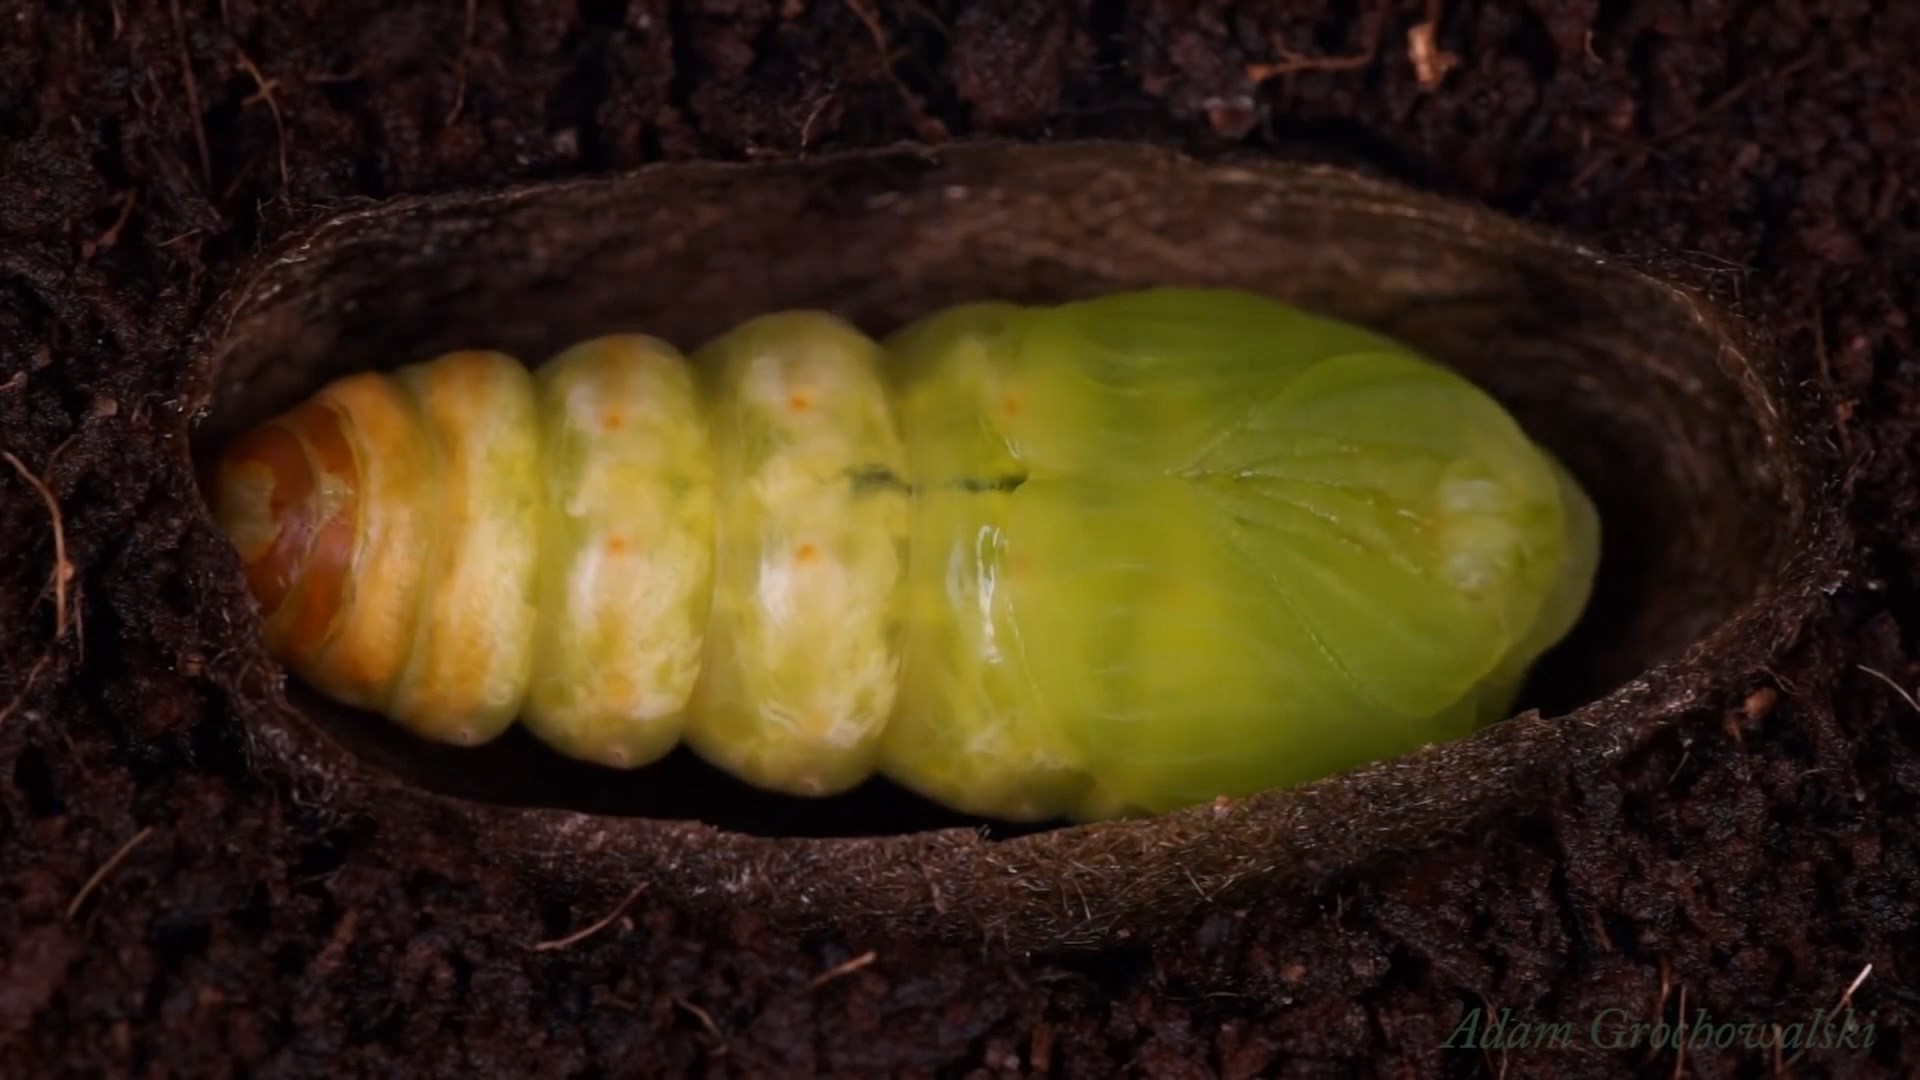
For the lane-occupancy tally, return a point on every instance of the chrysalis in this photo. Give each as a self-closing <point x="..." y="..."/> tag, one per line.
<point x="1103" y="558"/>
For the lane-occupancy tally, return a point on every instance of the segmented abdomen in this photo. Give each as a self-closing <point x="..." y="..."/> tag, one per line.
<point x="1014" y="566"/>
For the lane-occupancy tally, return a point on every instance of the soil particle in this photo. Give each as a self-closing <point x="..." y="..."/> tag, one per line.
<point x="1749" y="867"/>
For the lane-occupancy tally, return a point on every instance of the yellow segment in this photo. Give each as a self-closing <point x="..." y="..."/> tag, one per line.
<point x="627" y="566"/>
<point x="395" y="465"/>
<point x="473" y="645"/>
<point x="971" y="730"/>
<point x="802" y="659"/>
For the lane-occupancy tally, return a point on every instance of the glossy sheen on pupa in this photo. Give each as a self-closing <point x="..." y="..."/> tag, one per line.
<point x="1102" y="558"/>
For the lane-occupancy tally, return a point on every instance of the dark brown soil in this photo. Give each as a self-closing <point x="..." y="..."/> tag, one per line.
<point x="168" y="908"/>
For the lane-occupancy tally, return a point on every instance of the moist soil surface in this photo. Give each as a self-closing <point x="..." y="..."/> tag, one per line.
<point x="169" y="908"/>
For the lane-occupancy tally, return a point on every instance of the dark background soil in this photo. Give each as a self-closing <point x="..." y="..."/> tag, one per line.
<point x="1751" y="865"/>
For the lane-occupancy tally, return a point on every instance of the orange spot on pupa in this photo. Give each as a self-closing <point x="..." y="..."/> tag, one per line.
<point x="612" y="421"/>
<point x="616" y="544"/>
<point x="806" y="553"/>
<point x="1011" y="405"/>
<point x="799" y="402"/>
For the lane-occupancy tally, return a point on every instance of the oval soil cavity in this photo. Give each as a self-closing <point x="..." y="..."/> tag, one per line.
<point x="1669" y="415"/>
